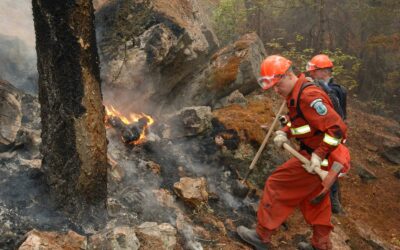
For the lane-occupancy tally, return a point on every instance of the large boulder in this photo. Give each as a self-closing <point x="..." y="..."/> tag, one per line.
<point x="150" y="47"/>
<point x="10" y="114"/>
<point x="234" y="67"/>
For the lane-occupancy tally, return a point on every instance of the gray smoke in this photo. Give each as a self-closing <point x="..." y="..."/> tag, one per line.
<point x="17" y="45"/>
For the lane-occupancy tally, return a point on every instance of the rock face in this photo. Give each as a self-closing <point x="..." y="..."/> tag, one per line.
<point x="149" y="47"/>
<point x="10" y="114"/>
<point x="53" y="240"/>
<point x="162" y="56"/>
<point x="192" y="191"/>
<point x="234" y="67"/>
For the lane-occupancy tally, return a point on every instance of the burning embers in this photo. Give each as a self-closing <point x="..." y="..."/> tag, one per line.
<point x="133" y="129"/>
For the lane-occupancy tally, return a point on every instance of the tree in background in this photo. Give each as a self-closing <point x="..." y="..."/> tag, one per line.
<point x="346" y="66"/>
<point x="229" y="20"/>
<point x="361" y="36"/>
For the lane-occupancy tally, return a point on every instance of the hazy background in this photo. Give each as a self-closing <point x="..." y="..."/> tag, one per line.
<point x="17" y="44"/>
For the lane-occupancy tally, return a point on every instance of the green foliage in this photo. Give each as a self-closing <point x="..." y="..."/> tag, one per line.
<point x="346" y="66"/>
<point x="362" y="37"/>
<point x="229" y="20"/>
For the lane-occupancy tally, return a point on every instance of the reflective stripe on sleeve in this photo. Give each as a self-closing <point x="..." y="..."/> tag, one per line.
<point x="331" y="140"/>
<point x="300" y="130"/>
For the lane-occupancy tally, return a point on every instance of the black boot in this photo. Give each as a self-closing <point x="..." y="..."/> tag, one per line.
<point x="305" y="246"/>
<point x="251" y="237"/>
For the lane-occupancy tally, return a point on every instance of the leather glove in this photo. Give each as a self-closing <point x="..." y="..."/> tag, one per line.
<point x="280" y="138"/>
<point x="314" y="162"/>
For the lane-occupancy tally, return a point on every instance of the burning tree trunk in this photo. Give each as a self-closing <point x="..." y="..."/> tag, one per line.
<point x="74" y="140"/>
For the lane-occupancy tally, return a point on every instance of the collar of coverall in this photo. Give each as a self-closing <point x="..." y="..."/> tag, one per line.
<point x="292" y="97"/>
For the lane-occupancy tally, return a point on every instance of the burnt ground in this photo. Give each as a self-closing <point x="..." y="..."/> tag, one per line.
<point x="371" y="205"/>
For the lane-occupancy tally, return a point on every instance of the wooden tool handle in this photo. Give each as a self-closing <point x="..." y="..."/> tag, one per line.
<point x="322" y="174"/>
<point x="270" y="130"/>
<point x="295" y="153"/>
<point x="258" y="154"/>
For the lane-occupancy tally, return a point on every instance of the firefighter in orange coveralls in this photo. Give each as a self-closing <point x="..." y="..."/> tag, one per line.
<point x="320" y="68"/>
<point x="293" y="184"/>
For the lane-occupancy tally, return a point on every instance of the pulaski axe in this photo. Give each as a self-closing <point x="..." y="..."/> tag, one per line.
<point x="264" y="143"/>
<point x="328" y="177"/>
<point x="240" y="187"/>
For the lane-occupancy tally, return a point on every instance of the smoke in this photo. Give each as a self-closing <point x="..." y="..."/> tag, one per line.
<point x="190" y="238"/>
<point x="17" y="45"/>
<point x="16" y="20"/>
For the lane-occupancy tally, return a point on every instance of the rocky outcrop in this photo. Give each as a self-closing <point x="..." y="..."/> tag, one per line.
<point x="163" y="56"/>
<point x="10" y="114"/>
<point x="235" y="67"/>
<point x="150" y="47"/>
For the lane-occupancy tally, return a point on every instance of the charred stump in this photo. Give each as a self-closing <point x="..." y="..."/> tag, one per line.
<point x="73" y="134"/>
<point x="129" y="132"/>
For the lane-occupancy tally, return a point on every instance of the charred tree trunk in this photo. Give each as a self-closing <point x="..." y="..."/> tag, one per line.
<point x="74" y="144"/>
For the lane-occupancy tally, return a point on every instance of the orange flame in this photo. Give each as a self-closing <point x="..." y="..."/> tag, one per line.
<point x="132" y="118"/>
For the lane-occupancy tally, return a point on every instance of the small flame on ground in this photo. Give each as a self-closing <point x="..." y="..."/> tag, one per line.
<point x="131" y="118"/>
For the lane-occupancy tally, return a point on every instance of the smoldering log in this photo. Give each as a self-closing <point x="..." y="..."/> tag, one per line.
<point x="129" y="132"/>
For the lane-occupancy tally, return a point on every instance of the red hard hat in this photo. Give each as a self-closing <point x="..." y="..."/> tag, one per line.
<point x="319" y="62"/>
<point x="272" y="70"/>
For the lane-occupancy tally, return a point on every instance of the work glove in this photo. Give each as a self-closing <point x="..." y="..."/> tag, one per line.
<point x="315" y="161"/>
<point x="280" y="138"/>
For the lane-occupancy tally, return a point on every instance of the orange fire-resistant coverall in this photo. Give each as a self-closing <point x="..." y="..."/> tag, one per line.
<point x="290" y="185"/>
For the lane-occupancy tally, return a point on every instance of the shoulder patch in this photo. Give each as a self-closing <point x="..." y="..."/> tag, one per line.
<point x="319" y="106"/>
